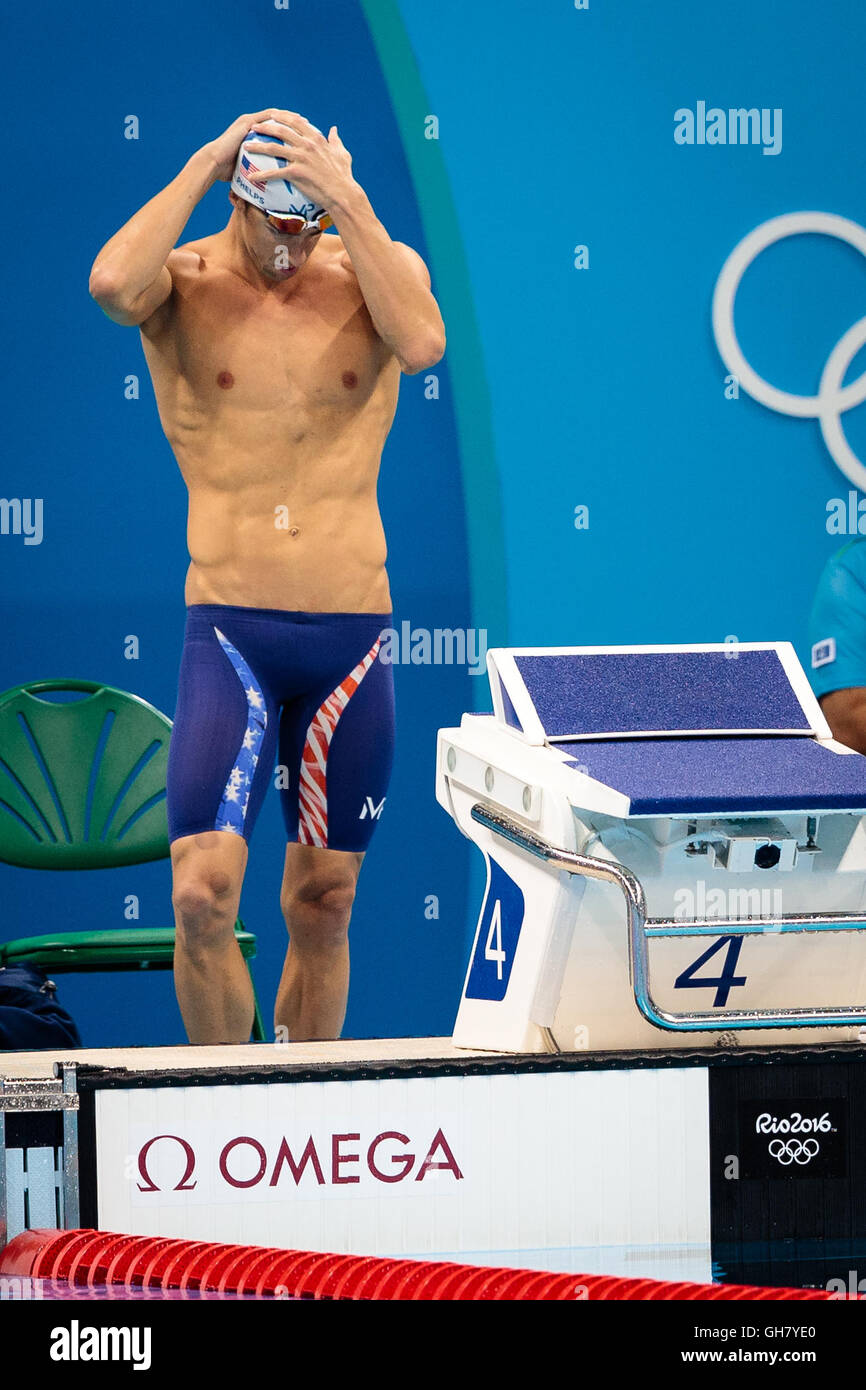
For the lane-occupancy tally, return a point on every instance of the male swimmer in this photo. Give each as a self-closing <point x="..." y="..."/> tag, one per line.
<point x="275" y="353"/>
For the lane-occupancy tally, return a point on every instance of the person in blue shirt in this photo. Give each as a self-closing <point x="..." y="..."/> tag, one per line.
<point x="837" y="636"/>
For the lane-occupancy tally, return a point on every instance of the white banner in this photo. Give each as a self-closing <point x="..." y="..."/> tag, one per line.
<point x="522" y="1161"/>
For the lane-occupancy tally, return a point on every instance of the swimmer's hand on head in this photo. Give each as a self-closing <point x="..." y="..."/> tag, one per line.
<point x="393" y="279"/>
<point x="224" y="149"/>
<point x="319" y="167"/>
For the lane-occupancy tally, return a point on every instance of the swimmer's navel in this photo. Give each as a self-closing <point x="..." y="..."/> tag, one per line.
<point x="225" y="380"/>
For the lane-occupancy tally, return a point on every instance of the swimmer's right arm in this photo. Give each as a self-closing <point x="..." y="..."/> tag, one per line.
<point x="130" y="279"/>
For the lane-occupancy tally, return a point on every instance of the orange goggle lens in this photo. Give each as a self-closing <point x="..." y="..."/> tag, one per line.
<point x="293" y="226"/>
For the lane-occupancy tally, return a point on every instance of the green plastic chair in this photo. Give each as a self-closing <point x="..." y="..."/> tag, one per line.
<point x="82" y="786"/>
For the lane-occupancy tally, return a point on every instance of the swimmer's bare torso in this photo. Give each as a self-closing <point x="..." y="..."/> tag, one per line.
<point x="277" y="404"/>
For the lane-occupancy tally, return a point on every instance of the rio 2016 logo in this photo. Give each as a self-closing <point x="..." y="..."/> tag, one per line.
<point x="793" y="1150"/>
<point x="795" y="1123"/>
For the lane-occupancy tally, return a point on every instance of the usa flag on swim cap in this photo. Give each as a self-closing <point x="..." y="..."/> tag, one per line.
<point x="248" y="166"/>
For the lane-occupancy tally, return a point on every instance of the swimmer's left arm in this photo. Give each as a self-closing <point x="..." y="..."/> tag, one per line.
<point x="395" y="284"/>
<point x="392" y="277"/>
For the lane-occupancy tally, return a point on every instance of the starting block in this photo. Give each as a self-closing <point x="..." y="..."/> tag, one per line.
<point x="675" y="849"/>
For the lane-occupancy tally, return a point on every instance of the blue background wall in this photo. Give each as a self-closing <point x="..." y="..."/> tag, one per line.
<point x="560" y="386"/>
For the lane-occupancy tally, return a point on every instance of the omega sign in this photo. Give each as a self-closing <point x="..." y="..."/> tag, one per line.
<point x="335" y="1160"/>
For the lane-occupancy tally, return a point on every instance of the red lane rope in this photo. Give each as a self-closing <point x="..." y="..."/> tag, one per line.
<point x="101" y="1257"/>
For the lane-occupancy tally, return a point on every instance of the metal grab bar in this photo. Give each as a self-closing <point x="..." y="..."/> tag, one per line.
<point x="641" y="928"/>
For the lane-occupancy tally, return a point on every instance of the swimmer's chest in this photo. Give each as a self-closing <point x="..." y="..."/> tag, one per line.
<point x="251" y="350"/>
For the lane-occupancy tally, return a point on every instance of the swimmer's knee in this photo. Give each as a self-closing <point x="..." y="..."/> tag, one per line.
<point x="317" y="911"/>
<point x="324" y="894"/>
<point x="203" y="900"/>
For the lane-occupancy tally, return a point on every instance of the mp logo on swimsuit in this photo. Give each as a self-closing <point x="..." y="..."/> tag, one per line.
<point x="313" y="791"/>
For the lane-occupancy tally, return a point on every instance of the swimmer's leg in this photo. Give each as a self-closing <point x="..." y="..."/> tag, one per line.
<point x="222" y="746"/>
<point x="337" y="748"/>
<point x="317" y="895"/>
<point x="212" y="982"/>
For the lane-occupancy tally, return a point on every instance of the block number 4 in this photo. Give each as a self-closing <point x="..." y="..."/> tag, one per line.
<point x="493" y="949"/>
<point x="725" y="982"/>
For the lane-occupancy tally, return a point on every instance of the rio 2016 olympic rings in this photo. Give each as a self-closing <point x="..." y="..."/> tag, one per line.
<point x="793" y="1150"/>
<point x="833" y="398"/>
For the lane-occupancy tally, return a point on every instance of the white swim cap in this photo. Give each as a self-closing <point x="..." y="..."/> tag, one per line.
<point x="275" y="195"/>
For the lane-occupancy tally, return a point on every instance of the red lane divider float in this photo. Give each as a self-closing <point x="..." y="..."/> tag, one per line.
<point x="100" y="1257"/>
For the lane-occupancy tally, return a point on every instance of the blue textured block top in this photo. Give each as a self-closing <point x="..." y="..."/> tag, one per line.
<point x="667" y="692"/>
<point x="699" y="776"/>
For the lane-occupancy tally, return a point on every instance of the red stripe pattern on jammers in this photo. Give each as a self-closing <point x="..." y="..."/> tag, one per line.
<point x="313" y="790"/>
